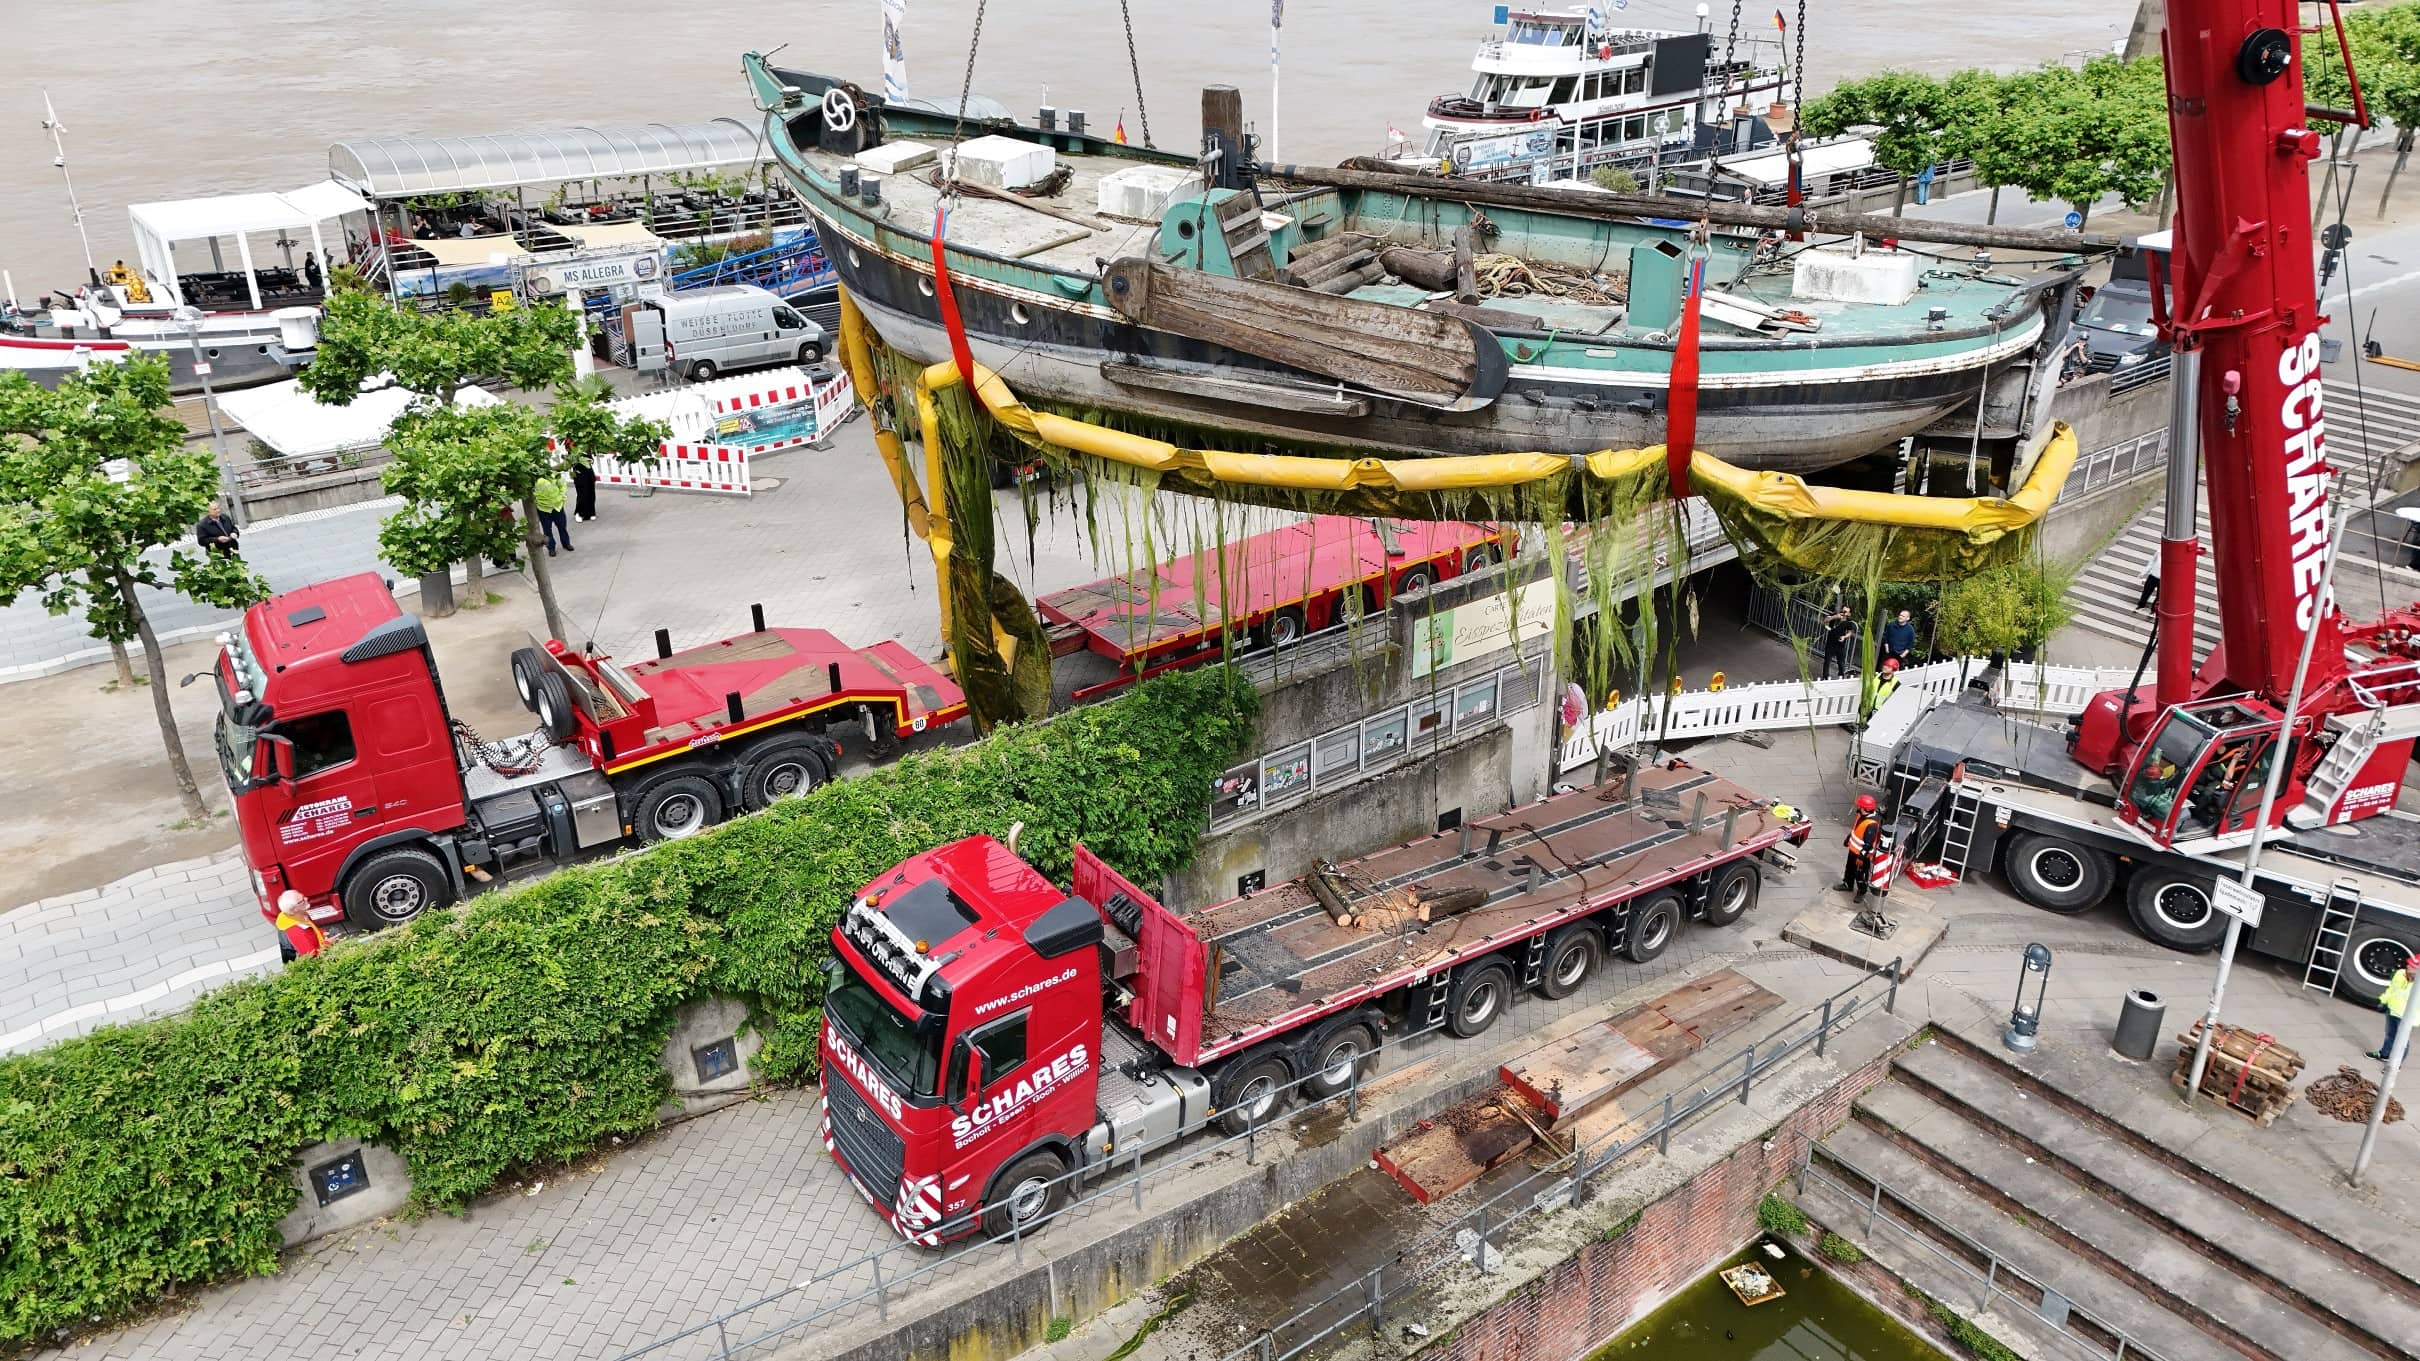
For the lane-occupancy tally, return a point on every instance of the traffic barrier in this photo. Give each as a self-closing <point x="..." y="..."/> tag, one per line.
<point x="716" y="428"/>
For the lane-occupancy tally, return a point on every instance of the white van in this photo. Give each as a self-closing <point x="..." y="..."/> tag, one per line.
<point x="710" y="331"/>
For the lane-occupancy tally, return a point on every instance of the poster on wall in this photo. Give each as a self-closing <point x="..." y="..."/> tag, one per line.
<point x="1474" y="703"/>
<point x="1286" y="775"/>
<point x="1235" y="793"/>
<point x="1483" y="626"/>
<point x="1384" y="738"/>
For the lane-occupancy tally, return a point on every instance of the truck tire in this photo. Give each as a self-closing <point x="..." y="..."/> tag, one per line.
<point x="1332" y="1055"/>
<point x="395" y="885"/>
<point x="527" y="668"/>
<point x="1481" y="994"/>
<point x="676" y="807"/>
<point x="1732" y="893"/>
<point x="1252" y="1092"/>
<point x="2057" y="875"/>
<point x="556" y="718"/>
<point x="2371" y="957"/>
<point x="703" y="371"/>
<point x="1027" y="1192"/>
<point x="2174" y="908"/>
<point x="782" y="769"/>
<point x="1653" y="924"/>
<point x="1572" y="955"/>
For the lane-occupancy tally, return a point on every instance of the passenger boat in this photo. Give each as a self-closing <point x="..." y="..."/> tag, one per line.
<point x="1557" y="95"/>
<point x="1100" y="275"/>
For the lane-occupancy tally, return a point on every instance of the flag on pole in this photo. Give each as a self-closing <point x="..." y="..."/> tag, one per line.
<point x="1118" y="134"/>
<point x="1396" y="134"/>
<point x="1779" y="23"/>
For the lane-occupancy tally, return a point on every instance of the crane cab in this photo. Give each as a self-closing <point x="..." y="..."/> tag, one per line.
<point x="2196" y="780"/>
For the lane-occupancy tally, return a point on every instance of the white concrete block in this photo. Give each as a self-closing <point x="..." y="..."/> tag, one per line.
<point x="1141" y="191"/>
<point x="1004" y="162"/>
<point x="893" y="157"/>
<point x="1877" y="276"/>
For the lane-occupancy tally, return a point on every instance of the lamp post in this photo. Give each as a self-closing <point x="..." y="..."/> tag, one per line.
<point x="189" y="319"/>
<point x="2025" y="1022"/>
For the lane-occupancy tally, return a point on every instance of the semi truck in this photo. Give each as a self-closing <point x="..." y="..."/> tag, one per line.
<point x="355" y="786"/>
<point x="991" y="1040"/>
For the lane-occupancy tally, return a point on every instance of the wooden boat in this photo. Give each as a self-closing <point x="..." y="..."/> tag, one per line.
<point x="1398" y="320"/>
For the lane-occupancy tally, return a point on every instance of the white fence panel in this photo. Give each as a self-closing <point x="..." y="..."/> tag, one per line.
<point x="2063" y="690"/>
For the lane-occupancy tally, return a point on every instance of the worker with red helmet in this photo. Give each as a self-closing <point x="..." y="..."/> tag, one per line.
<point x="297" y="934"/>
<point x="1865" y="830"/>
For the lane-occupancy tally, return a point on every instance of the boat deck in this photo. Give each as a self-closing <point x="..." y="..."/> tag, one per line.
<point x="1279" y="951"/>
<point x="1006" y="229"/>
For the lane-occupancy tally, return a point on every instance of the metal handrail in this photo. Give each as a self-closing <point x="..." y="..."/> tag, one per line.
<point x="2127" y="1345"/>
<point x="1833" y="1013"/>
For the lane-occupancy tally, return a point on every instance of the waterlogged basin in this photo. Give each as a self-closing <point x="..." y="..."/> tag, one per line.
<point x="1819" y="1319"/>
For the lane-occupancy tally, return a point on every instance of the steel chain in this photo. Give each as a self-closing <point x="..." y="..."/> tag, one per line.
<point x="1133" y="63"/>
<point x="966" y="88"/>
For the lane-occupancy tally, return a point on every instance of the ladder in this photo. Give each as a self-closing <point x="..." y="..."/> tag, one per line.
<point x="1958" y="831"/>
<point x="2335" y="935"/>
<point x="2335" y="772"/>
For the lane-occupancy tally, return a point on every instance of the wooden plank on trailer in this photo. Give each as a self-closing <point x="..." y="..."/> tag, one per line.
<point x="1458" y="1147"/>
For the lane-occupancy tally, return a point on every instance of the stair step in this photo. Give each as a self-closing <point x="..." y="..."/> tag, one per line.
<point x="2173" y="1336"/>
<point x="2104" y="1234"/>
<point x="2216" y="1225"/>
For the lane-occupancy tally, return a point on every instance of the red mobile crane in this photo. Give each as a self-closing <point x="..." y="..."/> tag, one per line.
<point x="2174" y="772"/>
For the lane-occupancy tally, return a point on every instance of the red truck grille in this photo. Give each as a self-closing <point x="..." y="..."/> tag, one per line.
<point x="873" y="1153"/>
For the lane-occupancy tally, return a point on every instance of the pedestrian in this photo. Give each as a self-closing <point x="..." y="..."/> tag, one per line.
<point x="583" y="491"/>
<point x="311" y="269"/>
<point x="1899" y="638"/>
<point x="1864" y="830"/>
<point x="2150" y="594"/>
<point x="216" y="533"/>
<point x="1839" y="632"/>
<point x="2397" y="996"/>
<point x="548" y="498"/>
<point x="297" y="934"/>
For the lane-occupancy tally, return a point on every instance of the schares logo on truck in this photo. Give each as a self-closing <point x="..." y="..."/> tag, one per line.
<point x="1008" y="1100"/>
<point x="2306" y="472"/>
<point x="867" y="1080"/>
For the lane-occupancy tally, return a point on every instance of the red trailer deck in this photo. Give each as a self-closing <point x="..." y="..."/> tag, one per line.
<point x="1280" y="585"/>
<point x="1278" y="959"/>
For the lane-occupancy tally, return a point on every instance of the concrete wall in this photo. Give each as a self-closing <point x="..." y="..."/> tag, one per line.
<point x="705" y="1023"/>
<point x="284" y="496"/>
<point x="386" y="1186"/>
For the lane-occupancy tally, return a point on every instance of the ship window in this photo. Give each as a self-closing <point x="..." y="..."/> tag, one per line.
<point x="1635" y="80"/>
<point x="1634" y="127"/>
<point x="1596" y="85"/>
<point x="1565" y="90"/>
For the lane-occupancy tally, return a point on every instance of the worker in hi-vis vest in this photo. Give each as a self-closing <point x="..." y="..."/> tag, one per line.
<point x="2397" y="996"/>
<point x="1863" y="829"/>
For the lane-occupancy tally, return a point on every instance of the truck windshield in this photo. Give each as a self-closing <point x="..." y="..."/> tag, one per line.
<point x="237" y="745"/>
<point x="237" y="742"/>
<point x="2116" y="309"/>
<point x="911" y="1060"/>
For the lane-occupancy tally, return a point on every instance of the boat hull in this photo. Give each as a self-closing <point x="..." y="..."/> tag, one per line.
<point x="240" y="360"/>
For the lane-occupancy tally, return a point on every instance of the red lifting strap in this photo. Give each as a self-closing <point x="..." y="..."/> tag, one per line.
<point x="2261" y="1042"/>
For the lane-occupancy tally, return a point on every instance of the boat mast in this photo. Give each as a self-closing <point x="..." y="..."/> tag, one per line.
<point x="50" y="122"/>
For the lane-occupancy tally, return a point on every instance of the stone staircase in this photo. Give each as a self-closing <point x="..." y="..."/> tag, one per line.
<point x="2360" y="435"/>
<point x="2077" y="1234"/>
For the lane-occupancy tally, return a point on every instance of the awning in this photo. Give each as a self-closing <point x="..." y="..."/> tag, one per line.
<point x="610" y="234"/>
<point x="158" y="227"/>
<point x="456" y="251"/>
<point x="399" y="167"/>
<point x="290" y="421"/>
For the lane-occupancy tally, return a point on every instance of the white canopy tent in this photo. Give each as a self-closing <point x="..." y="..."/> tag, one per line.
<point x="296" y="425"/>
<point x="158" y="227"/>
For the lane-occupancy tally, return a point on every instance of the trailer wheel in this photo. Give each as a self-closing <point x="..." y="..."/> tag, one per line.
<point x="1251" y="1091"/>
<point x="1733" y="893"/>
<point x="2371" y="958"/>
<point x="1572" y="955"/>
<point x="2175" y="909"/>
<point x="781" y="770"/>
<point x="1479" y="998"/>
<point x="677" y="807"/>
<point x="1026" y="1192"/>
<point x="1482" y="557"/>
<point x="556" y="718"/>
<point x="1652" y="926"/>
<point x="394" y="886"/>
<point x="2057" y="875"/>
<point x="1285" y="628"/>
<point x="526" y="670"/>
<point x="1329" y="1060"/>
<point x="1417" y="579"/>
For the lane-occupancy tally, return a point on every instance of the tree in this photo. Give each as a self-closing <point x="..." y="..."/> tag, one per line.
<point x="459" y="468"/>
<point x="2064" y="133"/>
<point x="94" y="479"/>
<point x="1919" y="121"/>
<point x="2001" y="611"/>
<point x="2386" y="56"/>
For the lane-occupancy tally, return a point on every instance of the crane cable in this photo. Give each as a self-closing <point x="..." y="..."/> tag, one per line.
<point x="2361" y="404"/>
<point x="966" y="90"/>
<point x="1798" y="112"/>
<point x="1135" y="65"/>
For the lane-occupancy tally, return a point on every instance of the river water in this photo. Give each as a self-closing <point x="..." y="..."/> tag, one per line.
<point x="171" y="100"/>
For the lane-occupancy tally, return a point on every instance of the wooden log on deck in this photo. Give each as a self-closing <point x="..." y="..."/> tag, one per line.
<point x="1466" y="267"/>
<point x="1442" y="903"/>
<point x="1345" y="282"/>
<point x="1430" y="269"/>
<point x="1343" y="262"/>
<point x="1302" y="264"/>
<point x="1329" y="893"/>
<point x="1620" y="207"/>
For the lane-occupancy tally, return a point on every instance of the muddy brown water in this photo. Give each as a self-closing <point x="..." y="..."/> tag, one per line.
<point x="165" y="101"/>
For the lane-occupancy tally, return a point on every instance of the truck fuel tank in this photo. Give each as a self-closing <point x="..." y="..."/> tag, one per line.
<point x="1143" y="1105"/>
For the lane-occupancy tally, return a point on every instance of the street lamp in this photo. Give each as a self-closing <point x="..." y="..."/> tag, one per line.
<point x="189" y="320"/>
<point x="2025" y="1022"/>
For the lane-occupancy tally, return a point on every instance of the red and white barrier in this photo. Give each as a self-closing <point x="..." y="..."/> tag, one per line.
<point x="710" y="448"/>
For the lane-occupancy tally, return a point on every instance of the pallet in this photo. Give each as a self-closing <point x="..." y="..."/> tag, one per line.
<point x="1461" y="1145"/>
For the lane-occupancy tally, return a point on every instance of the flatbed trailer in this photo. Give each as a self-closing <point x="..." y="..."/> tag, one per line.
<point x="1979" y="789"/>
<point x="1276" y="587"/>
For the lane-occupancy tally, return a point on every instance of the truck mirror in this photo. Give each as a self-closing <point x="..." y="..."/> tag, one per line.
<point x="972" y="1085"/>
<point x="281" y="756"/>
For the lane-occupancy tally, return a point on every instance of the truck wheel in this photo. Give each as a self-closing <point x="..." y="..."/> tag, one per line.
<point x="1251" y="1092"/>
<point x="2058" y="875"/>
<point x="2370" y="960"/>
<point x="394" y="886"/>
<point x="810" y="353"/>
<point x="1479" y="998"/>
<point x="2174" y="909"/>
<point x="1572" y="954"/>
<point x="677" y="807"/>
<point x="1734" y="892"/>
<point x="1284" y="628"/>
<point x="556" y="718"/>
<point x="703" y="371"/>
<point x="1028" y="1191"/>
<point x="1652" y="925"/>
<point x="1329" y="1059"/>
<point x="526" y="671"/>
<point x="782" y="770"/>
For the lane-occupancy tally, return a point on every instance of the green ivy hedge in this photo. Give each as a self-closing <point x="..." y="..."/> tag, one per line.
<point x="524" y="1027"/>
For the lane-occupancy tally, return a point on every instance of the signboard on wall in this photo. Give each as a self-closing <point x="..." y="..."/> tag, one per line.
<point x="1478" y="628"/>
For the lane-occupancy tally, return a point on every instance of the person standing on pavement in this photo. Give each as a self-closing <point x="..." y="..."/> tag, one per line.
<point x="1899" y="638"/>
<point x="2394" y="1001"/>
<point x="583" y="492"/>
<point x="1839" y="631"/>
<point x="297" y="934"/>
<point x="216" y="533"/>
<point x="548" y="498"/>
<point x="1864" y="830"/>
